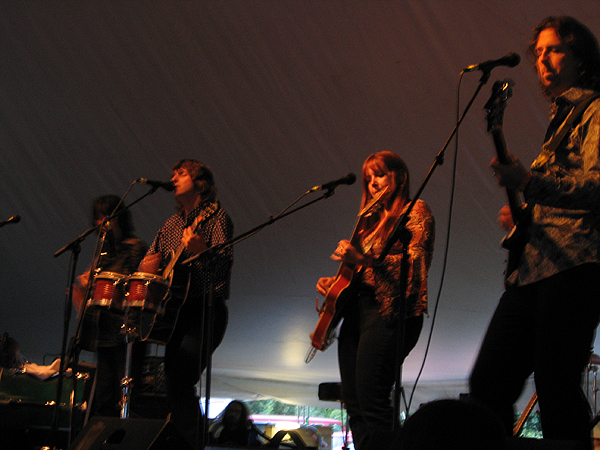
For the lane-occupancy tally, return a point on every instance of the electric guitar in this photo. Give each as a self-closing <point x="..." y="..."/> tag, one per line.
<point x="515" y="241"/>
<point x="336" y="298"/>
<point x="158" y="327"/>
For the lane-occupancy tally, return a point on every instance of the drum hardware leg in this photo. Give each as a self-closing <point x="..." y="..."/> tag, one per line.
<point x="127" y="380"/>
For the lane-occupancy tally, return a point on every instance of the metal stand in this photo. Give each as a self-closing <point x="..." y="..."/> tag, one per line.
<point x="127" y="380"/>
<point x="70" y="350"/>
<point x="399" y="233"/>
<point x="207" y="326"/>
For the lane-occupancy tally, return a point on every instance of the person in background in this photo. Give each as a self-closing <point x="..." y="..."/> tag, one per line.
<point x="233" y="427"/>
<point x="546" y="319"/>
<point x="10" y="352"/>
<point x="369" y="333"/>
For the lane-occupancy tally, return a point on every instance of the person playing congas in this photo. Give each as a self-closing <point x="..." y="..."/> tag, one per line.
<point x="104" y="317"/>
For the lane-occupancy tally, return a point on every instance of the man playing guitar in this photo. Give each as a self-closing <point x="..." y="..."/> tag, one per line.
<point x="200" y="223"/>
<point x="546" y="319"/>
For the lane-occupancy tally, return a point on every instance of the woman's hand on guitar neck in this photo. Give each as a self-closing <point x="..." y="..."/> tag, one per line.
<point x="193" y="243"/>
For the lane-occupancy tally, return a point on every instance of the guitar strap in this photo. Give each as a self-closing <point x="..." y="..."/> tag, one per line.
<point x="566" y="126"/>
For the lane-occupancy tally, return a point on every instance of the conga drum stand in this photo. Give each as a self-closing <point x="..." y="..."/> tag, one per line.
<point x="127" y="380"/>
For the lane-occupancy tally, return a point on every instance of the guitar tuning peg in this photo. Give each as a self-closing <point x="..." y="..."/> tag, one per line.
<point x="376" y="208"/>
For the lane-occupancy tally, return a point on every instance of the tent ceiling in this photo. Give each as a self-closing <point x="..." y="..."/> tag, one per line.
<point x="277" y="97"/>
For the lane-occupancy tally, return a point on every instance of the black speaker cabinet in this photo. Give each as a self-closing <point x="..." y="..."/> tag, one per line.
<point x="108" y="433"/>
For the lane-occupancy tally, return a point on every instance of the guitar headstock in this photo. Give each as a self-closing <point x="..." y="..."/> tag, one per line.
<point x="501" y="92"/>
<point x="369" y="207"/>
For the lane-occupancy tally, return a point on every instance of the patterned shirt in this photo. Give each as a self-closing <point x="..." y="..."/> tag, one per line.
<point x="385" y="276"/>
<point x="564" y="196"/>
<point x="215" y="229"/>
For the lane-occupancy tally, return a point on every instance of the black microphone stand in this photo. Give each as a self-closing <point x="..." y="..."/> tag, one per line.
<point x="400" y="233"/>
<point x="208" y="312"/>
<point x="74" y="345"/>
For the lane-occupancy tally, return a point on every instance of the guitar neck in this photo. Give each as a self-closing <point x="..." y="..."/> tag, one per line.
<point x="514" y="201"/>
<point x="205" y="214"/>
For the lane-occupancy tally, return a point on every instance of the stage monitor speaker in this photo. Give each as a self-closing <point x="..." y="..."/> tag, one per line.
<point x="108" y="433"/>
<point x="330" y="392"/>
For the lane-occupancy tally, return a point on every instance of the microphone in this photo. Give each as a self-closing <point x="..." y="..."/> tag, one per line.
<point x="157" y="184"/>
<point x="509" y="60"/>
<point x="14" y="219"/>
<point x="349" y="178"/>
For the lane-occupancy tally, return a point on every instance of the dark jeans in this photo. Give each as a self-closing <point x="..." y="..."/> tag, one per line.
<point x="546" y="328"/>
<point x="182" y="364"/>
<point x="367" y="350"/>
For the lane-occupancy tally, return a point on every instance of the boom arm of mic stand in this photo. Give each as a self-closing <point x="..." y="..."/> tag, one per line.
<point x="219" y="247"/>
<point x="439" y="160"/>
<point x="82" y="236"/>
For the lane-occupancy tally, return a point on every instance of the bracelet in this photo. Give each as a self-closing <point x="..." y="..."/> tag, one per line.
<point x="525" y="182"/>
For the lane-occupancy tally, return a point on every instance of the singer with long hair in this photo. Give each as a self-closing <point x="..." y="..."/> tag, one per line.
<point x="120" y="256"/>
<point x="369" y="332"/>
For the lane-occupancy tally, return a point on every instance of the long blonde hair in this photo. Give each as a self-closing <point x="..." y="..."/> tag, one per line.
<point x="391" y="163"/>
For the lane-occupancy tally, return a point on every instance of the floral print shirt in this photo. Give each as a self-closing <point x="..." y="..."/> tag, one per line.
<point x="384" y="276"/>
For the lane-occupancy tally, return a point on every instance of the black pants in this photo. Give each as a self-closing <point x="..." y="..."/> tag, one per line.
<point x="546" y="328"/>
<point x="183" y="363"/>
<point x="367" y="357"/>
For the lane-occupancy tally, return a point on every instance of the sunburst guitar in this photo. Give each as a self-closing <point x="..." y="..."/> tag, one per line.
<point x="338" y="294"/>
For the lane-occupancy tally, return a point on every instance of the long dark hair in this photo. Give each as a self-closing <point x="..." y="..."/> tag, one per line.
<point x="105" y="205"/>
<point x="9" y="352"/>
<point x="243" y="421"/>
<point x="582" y="43"/>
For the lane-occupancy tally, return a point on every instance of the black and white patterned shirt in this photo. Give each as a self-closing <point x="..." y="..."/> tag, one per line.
<point x="215" y="229"/>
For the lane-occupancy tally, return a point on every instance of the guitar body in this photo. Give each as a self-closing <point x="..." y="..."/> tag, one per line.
<point x="340" y="291"/>
<point x="157" y="327"/>
<point x="515" y="243"/>
<point x="331" y="312"/>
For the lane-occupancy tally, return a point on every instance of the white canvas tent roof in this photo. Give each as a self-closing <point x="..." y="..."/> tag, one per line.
<point x="277" y="97"/>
